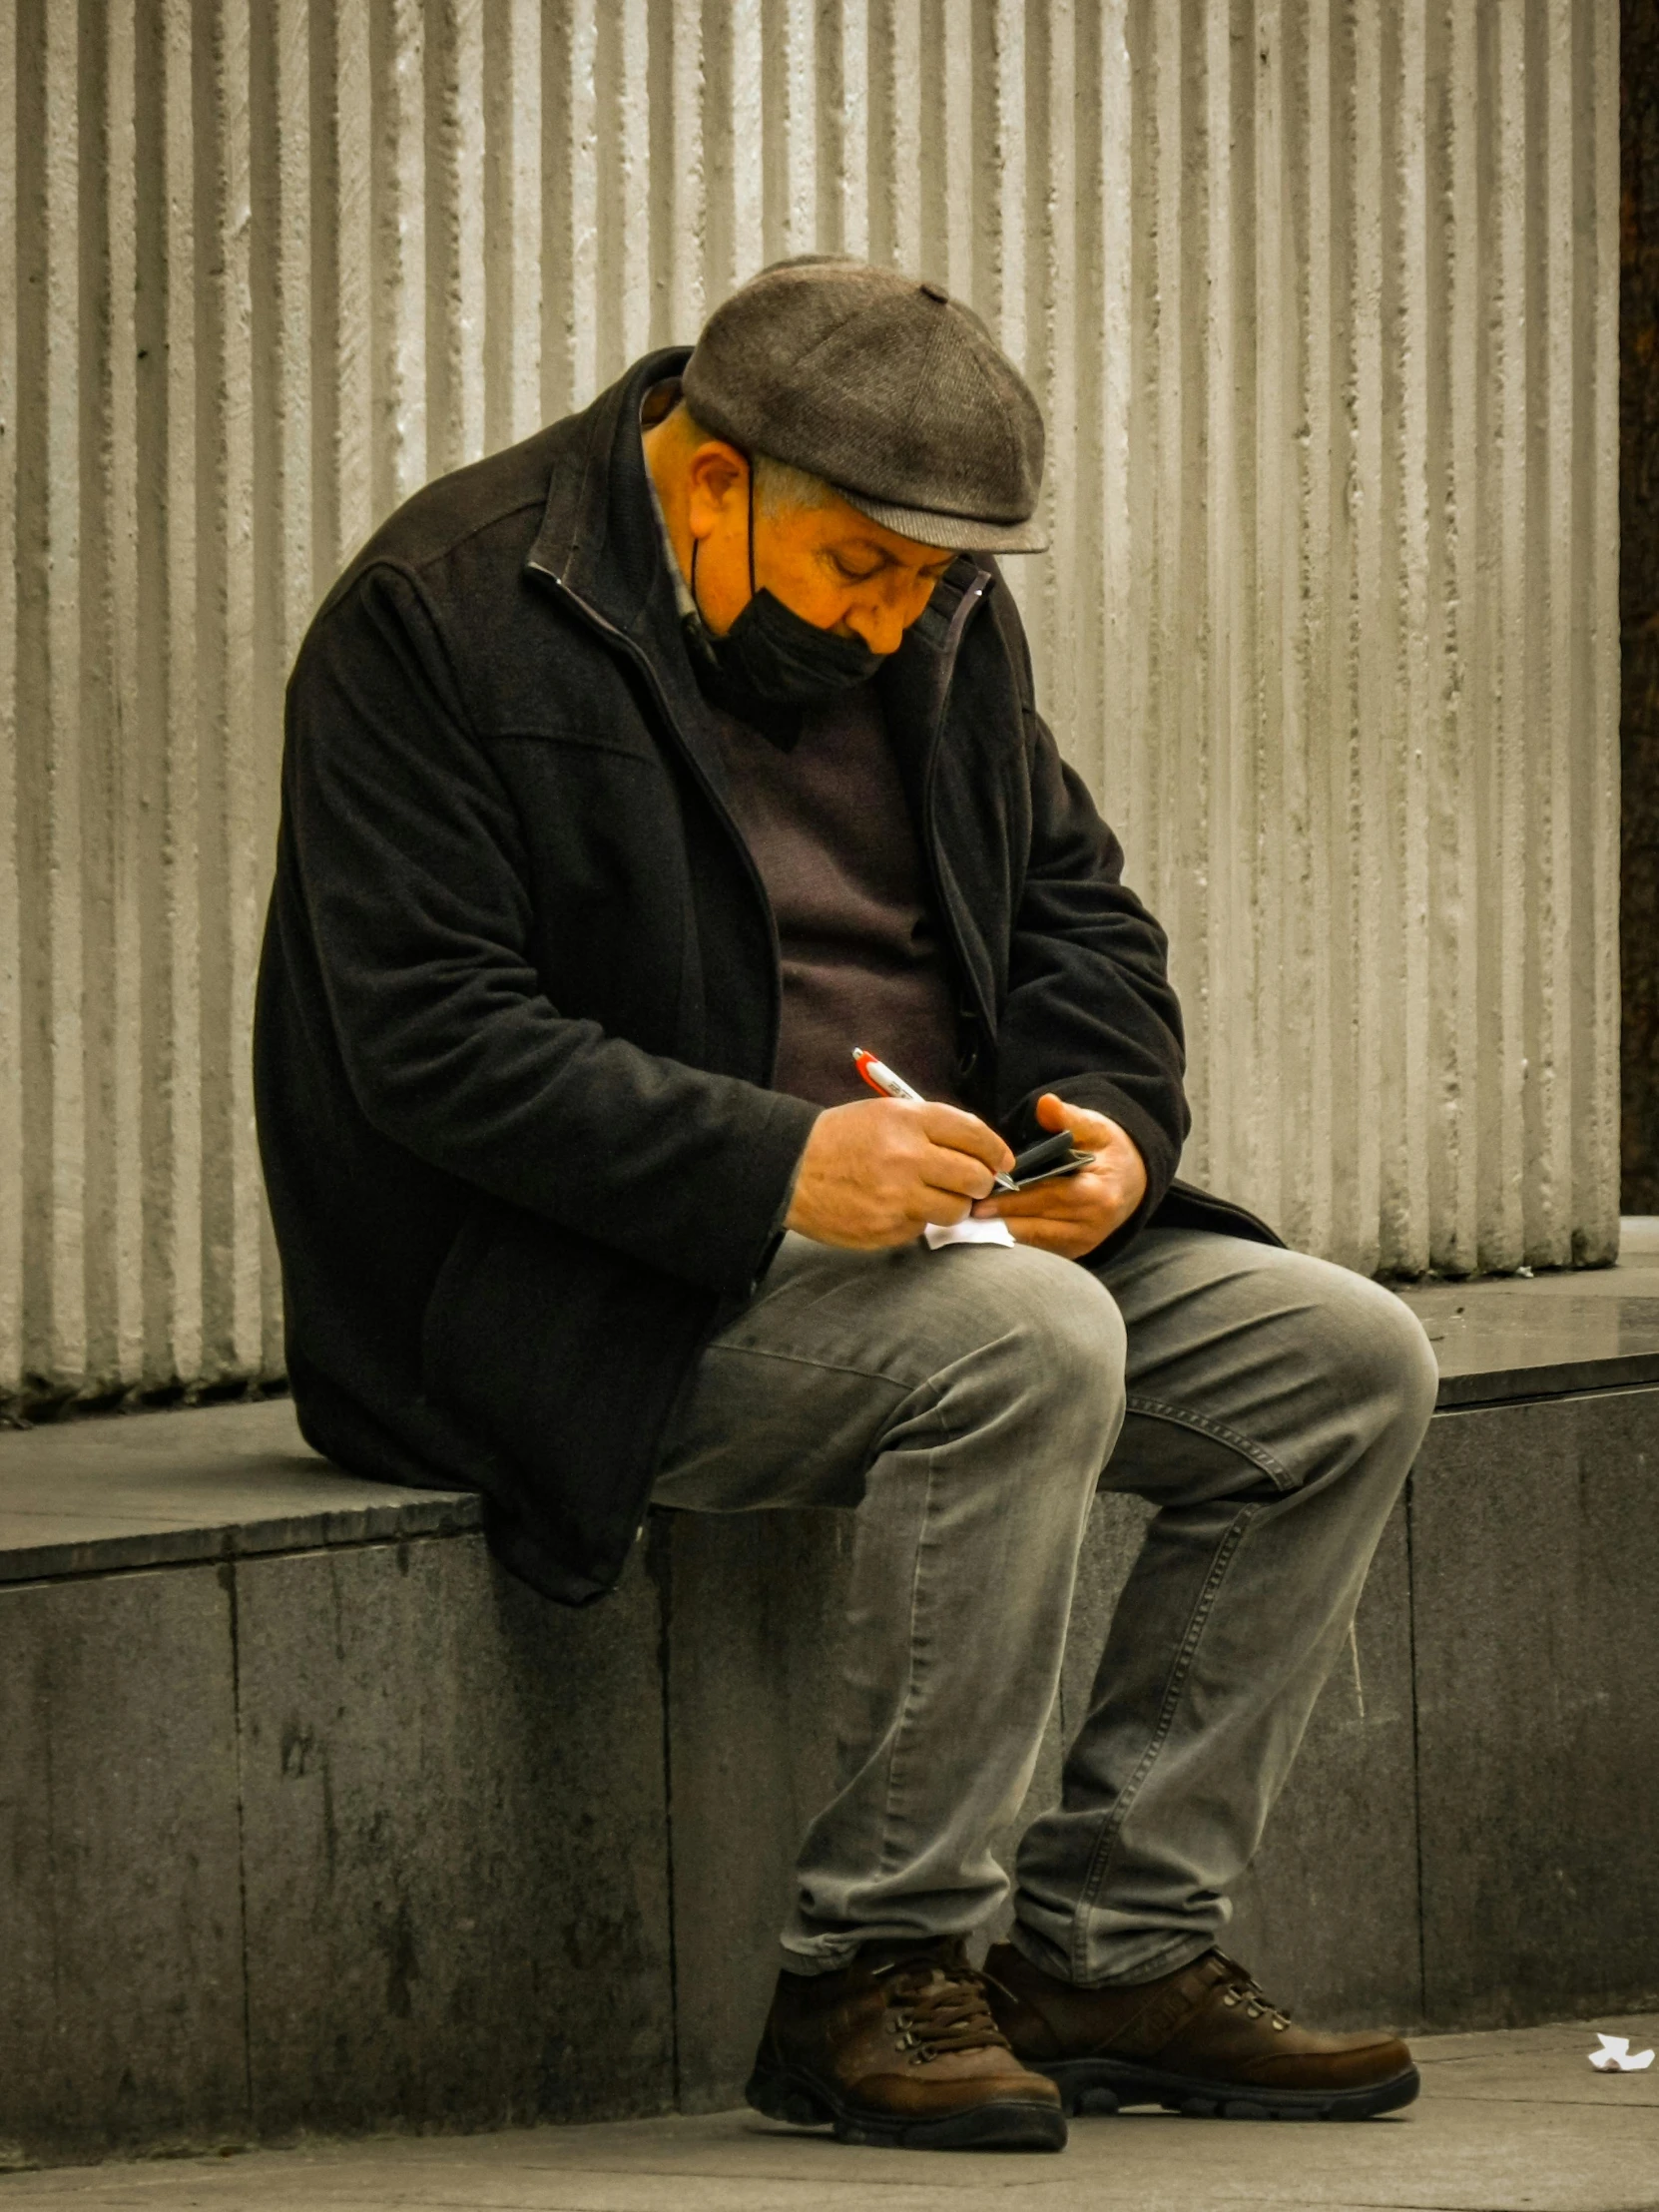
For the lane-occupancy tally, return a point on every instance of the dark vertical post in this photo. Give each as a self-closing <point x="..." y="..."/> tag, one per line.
<point x="1639" y="597"/>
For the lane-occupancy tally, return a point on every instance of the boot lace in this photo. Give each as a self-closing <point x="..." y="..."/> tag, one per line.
<point x="1244" y="1988"/>
<point x="940" y="2007"/>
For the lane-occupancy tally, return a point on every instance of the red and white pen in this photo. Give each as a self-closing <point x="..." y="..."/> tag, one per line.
<point x="880" y="1077"/>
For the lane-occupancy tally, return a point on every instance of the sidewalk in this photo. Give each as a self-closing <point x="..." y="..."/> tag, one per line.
<point x="1507" y="2123"/>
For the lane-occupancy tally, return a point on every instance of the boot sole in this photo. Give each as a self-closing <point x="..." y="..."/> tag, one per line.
<point x="1105" y="2085"/>
<point x="1005" y="2125"/>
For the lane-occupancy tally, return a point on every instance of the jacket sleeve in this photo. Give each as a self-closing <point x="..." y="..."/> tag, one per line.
<point x="1090" y="1011"/>
<point x="414" y="881"/>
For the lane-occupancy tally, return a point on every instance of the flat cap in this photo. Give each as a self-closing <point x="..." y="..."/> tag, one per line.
<point x="893" y="391"/>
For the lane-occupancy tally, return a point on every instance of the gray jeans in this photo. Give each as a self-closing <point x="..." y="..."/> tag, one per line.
<point x="967" y="1402"/>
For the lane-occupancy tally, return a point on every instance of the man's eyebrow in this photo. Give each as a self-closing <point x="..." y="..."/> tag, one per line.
<point x="890" y="560"/>
<point x="857" y="544"/>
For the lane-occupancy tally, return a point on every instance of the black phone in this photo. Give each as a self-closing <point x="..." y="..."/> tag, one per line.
<point x="1052" y="1156"/>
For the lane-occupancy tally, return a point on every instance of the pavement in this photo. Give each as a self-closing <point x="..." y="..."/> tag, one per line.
<point x="1511" y="2122"/>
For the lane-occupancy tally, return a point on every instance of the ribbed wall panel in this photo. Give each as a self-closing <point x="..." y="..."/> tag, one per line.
<point x="12" y="1184"/>
<point x="1319" y="298"/>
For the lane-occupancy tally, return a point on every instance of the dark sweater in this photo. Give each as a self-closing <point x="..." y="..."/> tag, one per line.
<point x="858" y="941"/>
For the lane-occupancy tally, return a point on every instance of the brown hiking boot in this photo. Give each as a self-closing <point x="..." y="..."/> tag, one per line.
<point x="1203" y="2040"/>
<point x="899" y="2049"/>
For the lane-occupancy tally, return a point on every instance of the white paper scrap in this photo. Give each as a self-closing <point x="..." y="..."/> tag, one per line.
<point x="976" y="1228"/>
<point x="1616" y="2056"/>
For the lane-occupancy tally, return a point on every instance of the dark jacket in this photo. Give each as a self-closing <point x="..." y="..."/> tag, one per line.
<point x="518" y="1001"/>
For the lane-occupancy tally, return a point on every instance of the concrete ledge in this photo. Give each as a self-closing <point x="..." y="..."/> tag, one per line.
<point x="218" y="1483"/>
<point x="1546" y="1337"/>
<point x="315" y="1820"/>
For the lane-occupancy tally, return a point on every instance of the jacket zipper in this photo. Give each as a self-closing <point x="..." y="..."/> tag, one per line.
<point x="642" y="661"/>
<point x="627" y="646"/>
<point x="972" y="594"/>
<point x="965" y="607"/>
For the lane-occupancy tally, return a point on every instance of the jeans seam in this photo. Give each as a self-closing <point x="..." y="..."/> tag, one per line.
<point x="883" y="1865"/>
<point x="1105" y="1845"/>
<point x="909" y="1384"/>
<point x="1183" y="1417"/>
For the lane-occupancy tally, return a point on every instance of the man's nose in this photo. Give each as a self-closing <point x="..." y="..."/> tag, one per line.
<point x="881" y="628"/>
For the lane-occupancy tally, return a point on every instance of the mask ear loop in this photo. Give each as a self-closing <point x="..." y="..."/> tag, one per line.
<point x="754" y="589"/>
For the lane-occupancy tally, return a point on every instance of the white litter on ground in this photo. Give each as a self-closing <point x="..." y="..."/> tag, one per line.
<point x="1616" y="2056"/>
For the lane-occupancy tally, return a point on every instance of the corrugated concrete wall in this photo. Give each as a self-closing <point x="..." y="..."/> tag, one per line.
<point x="1320" y="296"/>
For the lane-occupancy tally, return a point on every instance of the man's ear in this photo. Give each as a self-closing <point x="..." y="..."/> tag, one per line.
<point x="717" y="481"/>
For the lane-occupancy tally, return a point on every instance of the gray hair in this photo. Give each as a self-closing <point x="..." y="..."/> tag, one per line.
<point x="779" y="487"/>
<point x="782" y="488"/>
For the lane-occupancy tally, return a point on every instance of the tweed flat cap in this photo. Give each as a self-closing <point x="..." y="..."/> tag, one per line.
<point x="893" y="391"/>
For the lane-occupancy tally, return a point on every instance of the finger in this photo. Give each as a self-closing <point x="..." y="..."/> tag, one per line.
<point x="1052" y="1236"/>
<point x="1070" y="1223"/>
<point x="1079" y="1231"/>
<point x="963" y="1132"/>
<point x="941" y="1208"/>
<point x="1012" y="1206"/>
<point x="1060" y="1198"/>
<point x="1097" y="1129"/>
<point x="946" y="1170"/>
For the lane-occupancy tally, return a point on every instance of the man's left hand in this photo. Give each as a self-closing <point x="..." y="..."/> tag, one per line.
<point x="1071" y="1214"/>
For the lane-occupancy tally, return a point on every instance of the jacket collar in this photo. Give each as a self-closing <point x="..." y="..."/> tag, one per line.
<point x="598" y="535"/>
<point x="601" y="543"/>
<point x="915" y="684"/>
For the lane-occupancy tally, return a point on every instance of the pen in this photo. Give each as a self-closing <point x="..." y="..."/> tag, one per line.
<point x="881" y="1079"/>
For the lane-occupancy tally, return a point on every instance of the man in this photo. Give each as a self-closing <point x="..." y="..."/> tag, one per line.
<point x="633" y="778"/>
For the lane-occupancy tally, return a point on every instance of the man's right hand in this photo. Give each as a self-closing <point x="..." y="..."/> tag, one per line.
<point x="877" y="1171"/>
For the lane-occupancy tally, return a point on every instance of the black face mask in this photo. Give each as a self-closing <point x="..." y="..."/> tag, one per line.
<point x="774" y="655"/>
<point x="772" y="662"/>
